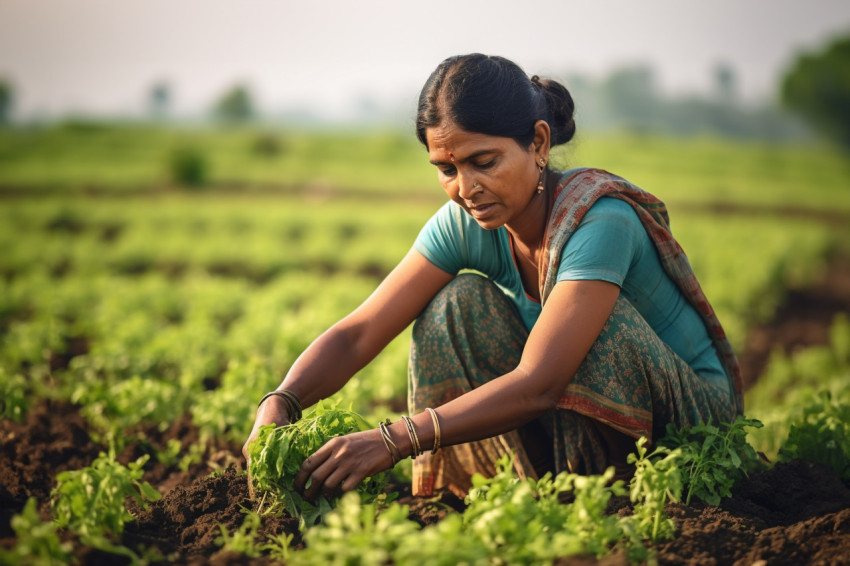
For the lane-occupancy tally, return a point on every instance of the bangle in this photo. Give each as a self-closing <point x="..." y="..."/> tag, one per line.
<point x="395" y="455"/>
<point x="436" y="429"/>
<point x="292" y="402"/>
<point x="416" y="450"/>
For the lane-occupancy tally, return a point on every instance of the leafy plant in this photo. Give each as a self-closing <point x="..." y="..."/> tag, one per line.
<point x="524" y="521"/>
<point x="91" y="501"/>
<point x="37" y="541"/>
<point x="114" y="408"/>
<point x="277" y="454"/>
<point x="358" y="533"/>
<point x="279" y="546"/>
<point x="821" y="434"/>
<point x="13" y="396"/>
<point x="656" y="479"/>
<point x="244" y="539"/>
<point x="188" y="166"/>
<point x="713" y="459"/>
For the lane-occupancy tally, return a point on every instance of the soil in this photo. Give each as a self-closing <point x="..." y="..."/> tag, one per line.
<point x="803" y="320"/>
<point x="794" y="513"/>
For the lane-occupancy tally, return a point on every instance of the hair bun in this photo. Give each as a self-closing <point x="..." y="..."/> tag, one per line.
<point x="561" y="109"/>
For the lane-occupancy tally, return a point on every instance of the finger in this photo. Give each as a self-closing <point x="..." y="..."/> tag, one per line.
<point x="317" y="479"/>
<point x="350" y="482"/>
<point x="333" y="484"/>
<point x="309" y="465"/>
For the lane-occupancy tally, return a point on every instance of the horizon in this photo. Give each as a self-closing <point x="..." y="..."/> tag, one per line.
<point x="102" y="59"/>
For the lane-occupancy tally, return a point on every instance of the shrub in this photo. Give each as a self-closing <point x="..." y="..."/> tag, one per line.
<point x="188" y="167"/>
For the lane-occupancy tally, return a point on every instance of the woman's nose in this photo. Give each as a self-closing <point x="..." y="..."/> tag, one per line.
<point x="468" y="187"/>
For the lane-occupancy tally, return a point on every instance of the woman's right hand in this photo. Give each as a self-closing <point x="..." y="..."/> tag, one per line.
<point x="340" y="352"/>
<point x="273" y="410"/>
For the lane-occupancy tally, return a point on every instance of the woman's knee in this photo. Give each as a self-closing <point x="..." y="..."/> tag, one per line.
<point x="467" y="300"/>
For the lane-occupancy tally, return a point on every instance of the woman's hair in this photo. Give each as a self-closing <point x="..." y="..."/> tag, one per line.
<point x="492" y="95"/>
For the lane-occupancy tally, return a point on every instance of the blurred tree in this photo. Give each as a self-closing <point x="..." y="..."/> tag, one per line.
<point x="631" y="95"/>
<point x="817" y="86"/>
<point x="236" y="105"/>
<point x="7" y="98"/>
<point x="159" y="100"/>
<point x="725" y="83"/>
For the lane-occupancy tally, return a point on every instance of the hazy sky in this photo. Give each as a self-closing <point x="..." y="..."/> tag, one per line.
<point x="104" y="55"/>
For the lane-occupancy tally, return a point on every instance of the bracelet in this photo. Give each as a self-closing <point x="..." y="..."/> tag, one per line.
<point x="292" y="403"/>
<point x="436" y="429"/>
<point x="416" y="450"/>
<point x="395" y="455"/>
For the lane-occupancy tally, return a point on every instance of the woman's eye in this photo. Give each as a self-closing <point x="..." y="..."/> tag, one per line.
<point x="448" y="171"/>
<point x="487" y="164"/>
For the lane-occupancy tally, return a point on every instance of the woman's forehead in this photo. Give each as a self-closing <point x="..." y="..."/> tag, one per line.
<point x="450" y="139"/>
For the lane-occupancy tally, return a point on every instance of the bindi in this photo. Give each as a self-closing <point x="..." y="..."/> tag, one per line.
<point x="451" y="156"/>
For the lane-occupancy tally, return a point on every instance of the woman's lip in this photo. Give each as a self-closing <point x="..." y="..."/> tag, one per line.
<point x="482" y="210"/>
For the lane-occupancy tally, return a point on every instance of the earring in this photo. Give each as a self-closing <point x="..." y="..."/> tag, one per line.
<point x="540" y="182"/>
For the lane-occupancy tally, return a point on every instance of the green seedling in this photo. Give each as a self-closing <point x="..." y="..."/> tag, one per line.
<point x="277" y="454"/>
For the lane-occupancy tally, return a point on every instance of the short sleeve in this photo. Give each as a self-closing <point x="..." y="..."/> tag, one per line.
<point x="605" y="244"/>
<point x="440" y="240"/>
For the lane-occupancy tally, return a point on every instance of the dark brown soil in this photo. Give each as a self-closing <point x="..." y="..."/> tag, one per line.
<point x="794" y="513"/>
<point x="803" y="320"/>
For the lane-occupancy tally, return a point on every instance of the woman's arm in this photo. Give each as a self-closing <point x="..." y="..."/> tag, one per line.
<point x="567" y="327"/>
<point x="340" y="352"/>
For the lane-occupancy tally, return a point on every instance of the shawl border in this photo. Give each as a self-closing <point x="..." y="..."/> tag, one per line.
<point x="576" y="192"/>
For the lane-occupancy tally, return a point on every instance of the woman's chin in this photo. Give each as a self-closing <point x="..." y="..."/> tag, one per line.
<point x="489" y="221"/>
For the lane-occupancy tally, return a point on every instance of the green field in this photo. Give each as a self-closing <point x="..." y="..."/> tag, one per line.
<point x="292" y="230"/>
<point x="143" y="298"/>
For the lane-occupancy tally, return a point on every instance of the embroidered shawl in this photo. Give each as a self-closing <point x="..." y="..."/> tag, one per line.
<point x="575" y="194"/>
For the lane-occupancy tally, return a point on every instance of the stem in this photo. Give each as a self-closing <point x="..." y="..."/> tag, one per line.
<point x="656" y="523"/>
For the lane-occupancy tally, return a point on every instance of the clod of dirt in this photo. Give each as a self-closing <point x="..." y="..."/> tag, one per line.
<point x="53" y="438"/>
<point x="187" y="520"/>
<point x="794" y="513"/>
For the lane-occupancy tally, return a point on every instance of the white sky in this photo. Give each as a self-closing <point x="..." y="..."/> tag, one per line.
<point x="104" y="55"/>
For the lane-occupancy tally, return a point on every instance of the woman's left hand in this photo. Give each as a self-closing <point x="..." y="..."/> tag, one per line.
<point x="342" y="463"/>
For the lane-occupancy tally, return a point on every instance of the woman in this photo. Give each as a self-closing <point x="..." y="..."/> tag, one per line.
<point x="587" y="330"/>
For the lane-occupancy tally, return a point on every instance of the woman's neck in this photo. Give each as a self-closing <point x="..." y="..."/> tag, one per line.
<point x="529" y="230"/>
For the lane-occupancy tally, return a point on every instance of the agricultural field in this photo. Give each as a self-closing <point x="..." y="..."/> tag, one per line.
<point x="155" y="283"/>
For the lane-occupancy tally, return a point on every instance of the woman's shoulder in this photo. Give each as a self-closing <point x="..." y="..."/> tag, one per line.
<point x="613" y="207"/>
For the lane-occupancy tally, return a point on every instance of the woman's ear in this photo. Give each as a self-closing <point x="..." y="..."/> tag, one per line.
<point x="541" y="142"/>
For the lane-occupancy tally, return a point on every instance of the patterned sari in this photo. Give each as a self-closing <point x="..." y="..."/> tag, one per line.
<point x="630" y="381"/>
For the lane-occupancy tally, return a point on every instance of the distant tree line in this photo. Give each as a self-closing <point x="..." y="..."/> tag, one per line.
<point x="629" y="99"/>
<point x="234" y="106"/>
<point x="815" y="88"/>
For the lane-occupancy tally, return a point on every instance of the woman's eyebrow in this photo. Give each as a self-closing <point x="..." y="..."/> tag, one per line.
<point x="467" y="158"/>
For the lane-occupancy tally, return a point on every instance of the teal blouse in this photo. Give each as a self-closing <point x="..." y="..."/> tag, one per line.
<point x="610" y="245"/>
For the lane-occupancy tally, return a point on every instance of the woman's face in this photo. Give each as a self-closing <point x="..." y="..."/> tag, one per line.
<point x="504" y="174"/>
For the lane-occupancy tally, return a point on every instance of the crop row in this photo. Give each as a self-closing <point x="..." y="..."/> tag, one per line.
<point x="115" y="159"/>
<point x="506" y="520"/>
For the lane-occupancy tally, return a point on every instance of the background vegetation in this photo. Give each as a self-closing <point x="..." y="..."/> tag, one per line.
<point x="153" y="271"/>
